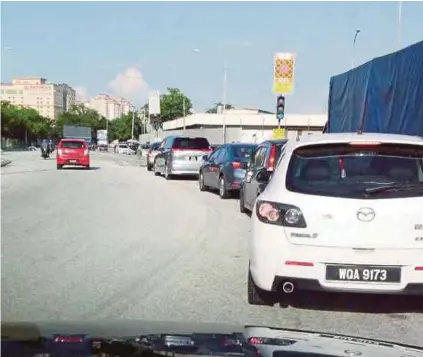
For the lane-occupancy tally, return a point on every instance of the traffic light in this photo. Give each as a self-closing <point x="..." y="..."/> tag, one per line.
<point x="280" y="108"/>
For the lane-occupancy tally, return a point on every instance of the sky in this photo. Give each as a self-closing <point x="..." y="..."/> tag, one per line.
<point x="131" y="48"/>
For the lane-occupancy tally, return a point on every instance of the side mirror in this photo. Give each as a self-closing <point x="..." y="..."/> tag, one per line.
<point x="205" y="157"/>
<point x="263" y="176"/>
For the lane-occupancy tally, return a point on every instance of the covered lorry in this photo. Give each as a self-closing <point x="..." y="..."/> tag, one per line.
<point x="384" y="95"/>
<point x="77" y="132"/>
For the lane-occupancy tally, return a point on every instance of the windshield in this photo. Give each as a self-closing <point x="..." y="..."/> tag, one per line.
<point x="191" y="143"/>
<point x="243" y="153"/>
<point x="165" y="222"/>
<point x="72" y="144"/>
<point x="348" y="171"/>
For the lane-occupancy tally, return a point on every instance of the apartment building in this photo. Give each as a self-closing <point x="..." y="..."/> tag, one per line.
<point x="49" y="99"/>
<point x="110" y="107"/>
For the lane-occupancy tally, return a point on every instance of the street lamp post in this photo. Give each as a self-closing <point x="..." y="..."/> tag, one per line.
<point x="133" y="122"/>
<point x="399" y="24"/>
<point x="353" y="48"/>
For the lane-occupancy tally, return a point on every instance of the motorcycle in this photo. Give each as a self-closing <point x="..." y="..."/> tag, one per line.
<point x="45" y="153"/>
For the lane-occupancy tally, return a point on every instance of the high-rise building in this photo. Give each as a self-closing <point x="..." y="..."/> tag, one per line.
<point x="110" y="107"/>
<point x="48" y="99"/>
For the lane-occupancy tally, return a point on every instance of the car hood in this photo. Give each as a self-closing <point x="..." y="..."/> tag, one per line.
<point x="125" y="337"/>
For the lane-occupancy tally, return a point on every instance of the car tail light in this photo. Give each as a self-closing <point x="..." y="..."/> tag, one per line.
<point x="280" y="214"/>
<point x="68" y="339"/>
<point x="419" y="268"/>
<point x="86" y="152"/>
<point x="364" y="143"/>
<point x="60" y="151"/>
<point x="236" y="165"/>
<point x="272" y="158"/>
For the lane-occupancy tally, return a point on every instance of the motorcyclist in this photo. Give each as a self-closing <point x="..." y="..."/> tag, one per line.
<point x="45" y="147"/>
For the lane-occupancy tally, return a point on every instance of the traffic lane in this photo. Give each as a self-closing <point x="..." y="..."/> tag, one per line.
<point x="212" y="286"/>
<point x="88" y="238"/>
<point x="197" y="272"/>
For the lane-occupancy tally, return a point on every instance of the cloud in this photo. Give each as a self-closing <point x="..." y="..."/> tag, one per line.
<point x="81" y="94"/>
<point x="130" y="84"/>
<point x="196" y="50"/>
<point x="247" y="44"/>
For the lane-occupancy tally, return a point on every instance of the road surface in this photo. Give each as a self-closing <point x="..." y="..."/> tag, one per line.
<point x="117" y="242"/>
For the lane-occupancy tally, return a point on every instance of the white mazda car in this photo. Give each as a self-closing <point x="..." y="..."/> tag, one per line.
<point x="342" y="212"/>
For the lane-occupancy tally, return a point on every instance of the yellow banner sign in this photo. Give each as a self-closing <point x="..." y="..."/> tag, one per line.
<point x="283" y="73"/>
<point x="278" y="134"/>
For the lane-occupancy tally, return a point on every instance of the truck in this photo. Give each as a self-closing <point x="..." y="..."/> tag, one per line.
<point x="384" y="95"/>
<point x="77" y="132"/>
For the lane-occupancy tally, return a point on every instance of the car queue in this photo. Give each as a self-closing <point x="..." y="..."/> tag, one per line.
<point x="331" y="212"/>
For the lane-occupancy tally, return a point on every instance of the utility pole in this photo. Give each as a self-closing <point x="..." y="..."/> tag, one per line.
<point x="133" y="122"/>
<point x="225" y="83"/>
<point x="183" y="109"/>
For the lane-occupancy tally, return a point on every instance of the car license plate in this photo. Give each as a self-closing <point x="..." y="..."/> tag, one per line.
<point x="363" y="273"/>
<point x="73" y="161"/>
<point x="193" y="158"/>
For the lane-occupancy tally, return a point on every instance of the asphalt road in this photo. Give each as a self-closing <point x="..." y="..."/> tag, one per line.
<point x="117" y="242"/>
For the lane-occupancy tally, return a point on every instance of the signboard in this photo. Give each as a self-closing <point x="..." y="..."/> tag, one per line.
<point x="283" y="73"/>
<point x="37" y="87"/>
<point x="278" y="134"/>
<point x="154" y="103"/>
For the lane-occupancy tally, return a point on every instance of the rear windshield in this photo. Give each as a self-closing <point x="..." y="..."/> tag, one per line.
<point x="349" y="171"/>
<point x="191" y="143"/>
<point x="279" y="148"/>
<point x="243" y="152"/>
<point x="72" y="144"/>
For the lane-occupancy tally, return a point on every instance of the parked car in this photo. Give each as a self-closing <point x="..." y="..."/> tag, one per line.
<point x="225" y="168"/>
<point x="151" y="154"/>
<point x="124" y="149"/>
<point x="342" y="212"/>
<point x="264" y="158"/>
<point x="73" y="152"/>
<point x="180" y="155"/>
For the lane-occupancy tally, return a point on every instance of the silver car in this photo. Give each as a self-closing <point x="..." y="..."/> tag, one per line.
<point x="181" y="155"/>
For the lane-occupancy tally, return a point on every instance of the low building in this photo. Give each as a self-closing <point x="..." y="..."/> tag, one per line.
<point x="245" y="125"/>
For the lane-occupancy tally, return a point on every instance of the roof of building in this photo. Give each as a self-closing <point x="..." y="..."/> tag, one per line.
<point x="244" y="117"/>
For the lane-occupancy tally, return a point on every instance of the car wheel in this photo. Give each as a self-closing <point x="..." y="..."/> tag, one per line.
<point x="257" y="296"/>
<point x="59" y="167"/>
<point x="223" y="191"/>
<point x="168" y="176"/>
<point x="242" y="208"/>
<point x="201" y="182"/>
<point x="87" y="167"/>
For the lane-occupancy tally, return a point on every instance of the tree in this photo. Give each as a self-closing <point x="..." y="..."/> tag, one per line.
<point x="213" y="110"/>
<point x="80" y="115"/>
<point x="121" y="128"/>
<point x="18" y="122"/>
<point x="173" y="104"/>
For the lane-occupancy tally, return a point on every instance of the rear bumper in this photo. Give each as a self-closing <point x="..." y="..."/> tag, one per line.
<point x="73" y="161"/>
<point x="183" y="168"/>
<point x="411" y="289"/>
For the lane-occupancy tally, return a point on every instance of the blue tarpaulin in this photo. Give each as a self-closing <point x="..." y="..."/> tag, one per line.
<point x="384" y="95"/>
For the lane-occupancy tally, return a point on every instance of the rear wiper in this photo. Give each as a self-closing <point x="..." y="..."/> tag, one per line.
<point x="394" y="187"/>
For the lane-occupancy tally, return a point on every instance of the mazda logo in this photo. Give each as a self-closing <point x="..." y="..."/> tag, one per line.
<point x="366" y="214"/>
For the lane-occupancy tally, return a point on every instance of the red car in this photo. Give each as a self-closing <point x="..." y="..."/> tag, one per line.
<point x="73" y="152"/>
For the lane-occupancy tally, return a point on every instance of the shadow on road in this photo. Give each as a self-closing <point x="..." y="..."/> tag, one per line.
<point x="361" y="303"/>
<point x="77" y="168"/>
